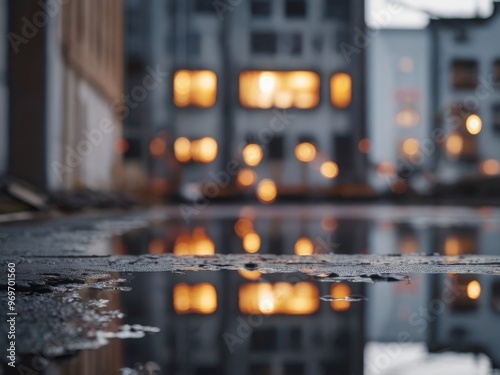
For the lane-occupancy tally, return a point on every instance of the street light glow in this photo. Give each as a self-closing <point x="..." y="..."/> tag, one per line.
<point x="473" y="124"/>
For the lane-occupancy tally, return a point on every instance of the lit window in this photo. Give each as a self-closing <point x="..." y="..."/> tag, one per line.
<point x="464" y="74"/>
<point x="267" y="89"/>
<point x="460" y="243"/>
<point x="280" y="298"/>
<point x="182" y="149"/>
<point x="490" y="167"/>
<point x="454" y="144"/>
<point x="467" y="291"/>
<point x="407" y="117"/>
<point x="195" y="299"/>
<point x="341" y="90"/>
<point x="196" y="88"/>
<point x="410" y="147"/>
<point x="406" y="64"/>
<point x="199" y="243"/>
<point x="204" y="150"/>
<point x="339" y="292"/>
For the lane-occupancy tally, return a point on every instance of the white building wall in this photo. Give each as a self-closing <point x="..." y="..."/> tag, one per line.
<point x="387" y="81"/>
<point x="75" y="108"/>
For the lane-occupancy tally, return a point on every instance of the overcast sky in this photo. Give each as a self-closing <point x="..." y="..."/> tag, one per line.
<point x="378" y="12"/>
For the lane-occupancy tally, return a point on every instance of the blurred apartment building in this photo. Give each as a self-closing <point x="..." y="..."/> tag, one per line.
<point x="434" y="104"/>
<point x="466" y="97"/>
<point x="65" y="84"/>
<point x="256" y="90"/>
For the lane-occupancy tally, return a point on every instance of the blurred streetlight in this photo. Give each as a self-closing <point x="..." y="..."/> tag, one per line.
<point x="266" y="191"/>
<point x="251" y="242"/>
<point x="473" y="124"/>
<point x="252" y="154"/>
<point x="246" y="178"/>
<point x="305" y="152"/>
<point x="304" y="246"/>
<point x="410" y="147"/>
<point x="329" y="169"/>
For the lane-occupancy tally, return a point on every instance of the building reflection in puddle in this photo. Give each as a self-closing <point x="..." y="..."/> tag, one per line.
<point x="252" y="322"/>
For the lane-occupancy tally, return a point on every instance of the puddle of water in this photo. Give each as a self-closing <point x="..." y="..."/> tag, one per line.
<point x="252" y="322"/>
<point x="234" y="323"/>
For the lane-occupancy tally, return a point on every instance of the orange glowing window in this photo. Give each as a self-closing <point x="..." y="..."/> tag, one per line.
<point x="199" y="243"/>
<point x="195" y="299"/>
<point x="280" y="298"/>
<point x="196" y="88"/>
<point x="268" y="89"/>
<point x="339" y="291"/>
<point x="341" y="90"/>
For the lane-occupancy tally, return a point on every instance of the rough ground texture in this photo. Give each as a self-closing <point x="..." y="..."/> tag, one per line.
<point x="59" y="261"/>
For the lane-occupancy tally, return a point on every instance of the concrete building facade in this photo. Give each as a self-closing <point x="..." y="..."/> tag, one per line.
<point x="65" y="89"/>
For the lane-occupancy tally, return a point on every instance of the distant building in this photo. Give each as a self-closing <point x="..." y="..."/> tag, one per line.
<point x="147" y="124"/>
<point x="268" y="74"/>
<point x="399" y="116"/>
<point x="65" y="93"/>
<point x="466" y="95"/>
<point x="454" y="326"/>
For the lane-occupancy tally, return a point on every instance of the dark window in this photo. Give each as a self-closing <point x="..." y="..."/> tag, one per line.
<point x="264" y="340"/>
<point x="461" y="35"/>
<point x="261" y="369"/>
<point x="295" y="8"/>
<point x="338" y="9"/>
<point x="496" y="71"/>
<point x="264" y="42"/>
<point x="341" y="36"/>
<point x="276" y="148"/>
<point x="295" y="339"/>
<point x="343" y="146"/>
<point x="208" y="371"/>
<point x="294" y="369"/>
<point x="134" y="149"/>
<point x="252" y="138"/>
<point x="290" y="43"/>
<point x="193" y="44"/>
<point x="495" y="297"/>
<point x="204" y="6"/>
<point x="496" y="117"/>
<point x="464" y="74"/>
<point x="260" y="8"/>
